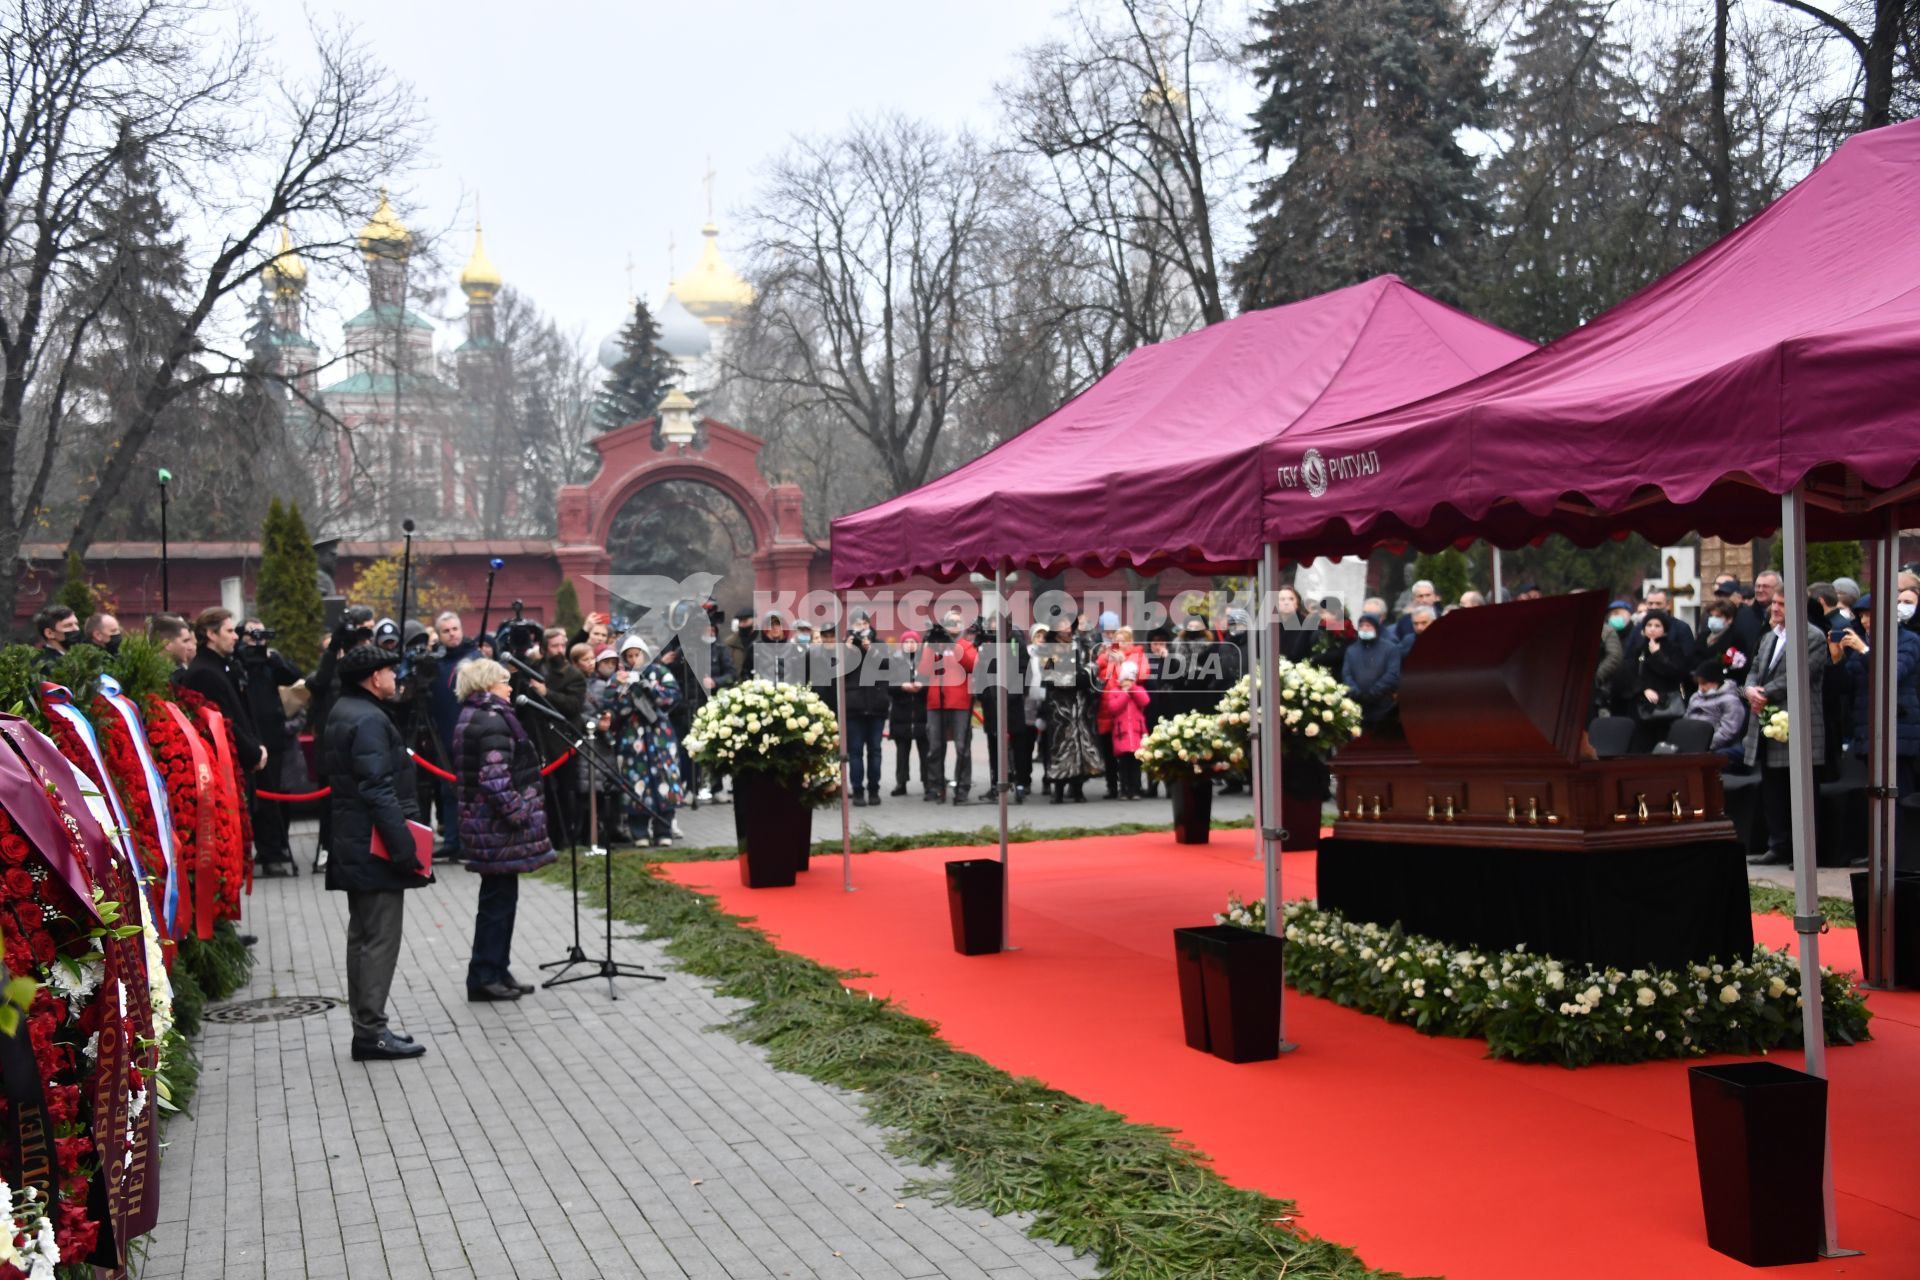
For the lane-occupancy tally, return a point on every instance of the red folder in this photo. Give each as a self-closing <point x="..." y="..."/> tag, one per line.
<point x="422" y="846"/>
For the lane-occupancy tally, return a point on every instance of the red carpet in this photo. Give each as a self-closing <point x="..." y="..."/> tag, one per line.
<point x="1421" y="1153"/>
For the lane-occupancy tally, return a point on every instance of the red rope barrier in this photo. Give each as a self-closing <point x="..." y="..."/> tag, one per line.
<point x="301" y="798"/>
<point x="428" y="765"/>
<point x="431" y="767"/>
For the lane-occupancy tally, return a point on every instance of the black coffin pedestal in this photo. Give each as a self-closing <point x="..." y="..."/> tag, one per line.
<point x="974" y="902"/>
<point x="1660" y="907"/>
<point x="1192" y="809"/>
<point x="774" y="827"/>
<point x="1230" y="982"/>
<point x="1759" y="1131"/>
<point x="1906" y="927"/>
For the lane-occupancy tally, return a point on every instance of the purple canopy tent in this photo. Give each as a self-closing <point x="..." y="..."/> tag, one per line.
<point x="1771" y="382"/>
<point x="1158" y="464"/>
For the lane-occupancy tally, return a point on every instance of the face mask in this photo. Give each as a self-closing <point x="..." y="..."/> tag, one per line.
<point x="736" y="624"/>
<point x="113" y="642"/>
<point x="1906" y="611"/>
<point x="1617" y="623"/>
<point x="711" y="637"/>
<point x="1367" y="633"/>
<point x="802" y="641"/>
<point x="1716" y="624"/>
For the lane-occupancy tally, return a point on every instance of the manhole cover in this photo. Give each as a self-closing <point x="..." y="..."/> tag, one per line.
<point x="271" y="1009"/>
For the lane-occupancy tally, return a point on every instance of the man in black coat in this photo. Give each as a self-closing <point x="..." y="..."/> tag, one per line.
<point x="372" y="781"/>
<point x="215" y="675"/>
<point x="565" y="690"/>
<point x="266" y="673"/>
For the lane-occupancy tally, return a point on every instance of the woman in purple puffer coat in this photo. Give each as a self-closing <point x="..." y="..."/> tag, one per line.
<point x="503" y="819"/>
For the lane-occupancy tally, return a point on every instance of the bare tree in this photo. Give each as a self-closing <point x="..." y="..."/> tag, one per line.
<point x="1121" y="125"/>
<point x="1881" y="37"/>
<point x="86" y="84"/>
<point x="870" y="270"/>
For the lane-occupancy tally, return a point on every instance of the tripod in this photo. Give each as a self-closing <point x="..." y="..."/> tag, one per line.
<point x="606" y="966"/>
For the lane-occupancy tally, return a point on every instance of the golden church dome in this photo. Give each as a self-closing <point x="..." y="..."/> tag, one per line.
<point x="284" y="273"/>
<point x="479" y="279"/>
<point x="385" y="235"/>
<point x="712" y="290"/>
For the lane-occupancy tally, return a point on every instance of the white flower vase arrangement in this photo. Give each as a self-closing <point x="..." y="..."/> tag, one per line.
<point x="1188" y="752"/>
<point x="1317" y="716"/>
<point x="781" y="745"/>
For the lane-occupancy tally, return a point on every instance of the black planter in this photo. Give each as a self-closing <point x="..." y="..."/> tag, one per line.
<point x="1230" y="991"/>
<point x="774" y="827"/>
<point x="1906" y="933"/>
<point x="1759" y="1131"/>
<point x="1192" y="809"/>
<point x="1304" y="785"/>
<point x="974" y="901"/>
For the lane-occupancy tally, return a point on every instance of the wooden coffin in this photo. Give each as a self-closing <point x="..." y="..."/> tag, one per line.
<point x="1493" y="704"/>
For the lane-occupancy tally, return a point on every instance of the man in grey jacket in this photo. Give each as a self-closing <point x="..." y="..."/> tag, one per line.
<point x="1766" y="689"/>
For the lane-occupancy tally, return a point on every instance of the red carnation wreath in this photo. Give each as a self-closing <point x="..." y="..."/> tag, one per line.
<point x="173" y="755"/>
<point x="130" y="779"/>
<point x="42" y="922"/>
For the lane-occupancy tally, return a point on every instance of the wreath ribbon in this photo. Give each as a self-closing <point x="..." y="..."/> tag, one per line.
<point x="156" y="792"/>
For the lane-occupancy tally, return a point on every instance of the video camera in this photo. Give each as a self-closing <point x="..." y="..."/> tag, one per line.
<point x="356" y="628"/>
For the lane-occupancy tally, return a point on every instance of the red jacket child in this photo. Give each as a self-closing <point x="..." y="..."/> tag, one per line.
<point x="1119" y="649"/>
<point x="1125" y="704"/>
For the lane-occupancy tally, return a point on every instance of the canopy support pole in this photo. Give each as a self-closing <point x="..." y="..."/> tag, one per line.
<point x="1883" y="798"/>
<point x="1498" y="586"/>
<point x="1258" y="642"/>
<point x="1002" y="634"/>
<point x="1807" y="921"/>
<point x="843" y="645"/>
<point x="1268" y="758"/>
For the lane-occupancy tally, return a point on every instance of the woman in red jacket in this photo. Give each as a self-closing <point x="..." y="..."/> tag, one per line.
<point x="1124" y="703"/>
<point x="1119" y="648"/>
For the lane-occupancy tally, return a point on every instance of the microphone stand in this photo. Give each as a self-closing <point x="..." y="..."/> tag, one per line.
<point x="604" y="966"/>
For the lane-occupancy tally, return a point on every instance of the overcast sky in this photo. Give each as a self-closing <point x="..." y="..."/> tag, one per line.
<point x="585" y="128"/>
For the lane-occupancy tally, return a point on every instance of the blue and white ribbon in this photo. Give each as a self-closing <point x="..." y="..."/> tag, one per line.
<point x="156" y="789"/>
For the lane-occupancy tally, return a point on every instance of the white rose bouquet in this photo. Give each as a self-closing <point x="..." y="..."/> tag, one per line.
<point x="1317" y="715"/>
<point x="763" y="727"/>
<point x="1774" y="726"/>
<point x="1192" y="745"/>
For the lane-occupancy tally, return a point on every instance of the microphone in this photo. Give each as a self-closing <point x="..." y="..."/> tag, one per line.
<point x="526" y="703"/>
<point x="525" y="670"/>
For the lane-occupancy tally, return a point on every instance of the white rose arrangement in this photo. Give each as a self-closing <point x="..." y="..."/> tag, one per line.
<point x="763" y="727"/>
<point x="1191" y="745"/>
<point x="1534" y="1008"/>
<point x="1317" y="713"/>
<point x="1774" y="726"/>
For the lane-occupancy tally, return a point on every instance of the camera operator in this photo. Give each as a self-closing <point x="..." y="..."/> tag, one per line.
<point x="268" y="672"/>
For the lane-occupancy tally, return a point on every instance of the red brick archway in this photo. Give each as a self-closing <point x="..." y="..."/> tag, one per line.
<point x="727" y="459"/>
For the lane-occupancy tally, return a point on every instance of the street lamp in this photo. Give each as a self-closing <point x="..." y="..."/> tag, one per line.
<point x="166" y="601"/>
<point x="676" y="419"/>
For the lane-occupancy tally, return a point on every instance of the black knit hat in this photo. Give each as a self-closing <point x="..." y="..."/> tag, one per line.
<point x="363" y="660"/>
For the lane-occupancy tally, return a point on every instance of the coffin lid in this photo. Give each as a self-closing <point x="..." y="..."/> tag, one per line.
<point x="1507" y="683"/>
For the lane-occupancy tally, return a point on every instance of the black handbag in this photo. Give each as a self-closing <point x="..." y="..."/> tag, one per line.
<point x="1670" y="707"/>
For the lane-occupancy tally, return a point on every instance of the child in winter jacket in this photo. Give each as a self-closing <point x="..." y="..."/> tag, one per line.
<point x="1125" y="704"/>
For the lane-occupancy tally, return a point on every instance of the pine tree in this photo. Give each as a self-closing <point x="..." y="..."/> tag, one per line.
<point x="1370" y="97"/>
<point x="289" y="588"/>
<point x="635" y="386"/>
<point x="1565" y="242"/>
<point x="566" y="608"/>
<point x="76" y="592"/>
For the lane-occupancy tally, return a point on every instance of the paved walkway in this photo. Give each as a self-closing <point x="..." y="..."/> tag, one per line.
<point x="568" y="1135"/>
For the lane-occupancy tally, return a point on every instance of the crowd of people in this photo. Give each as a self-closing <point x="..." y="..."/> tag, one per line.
<point x="1656" y="672"/>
